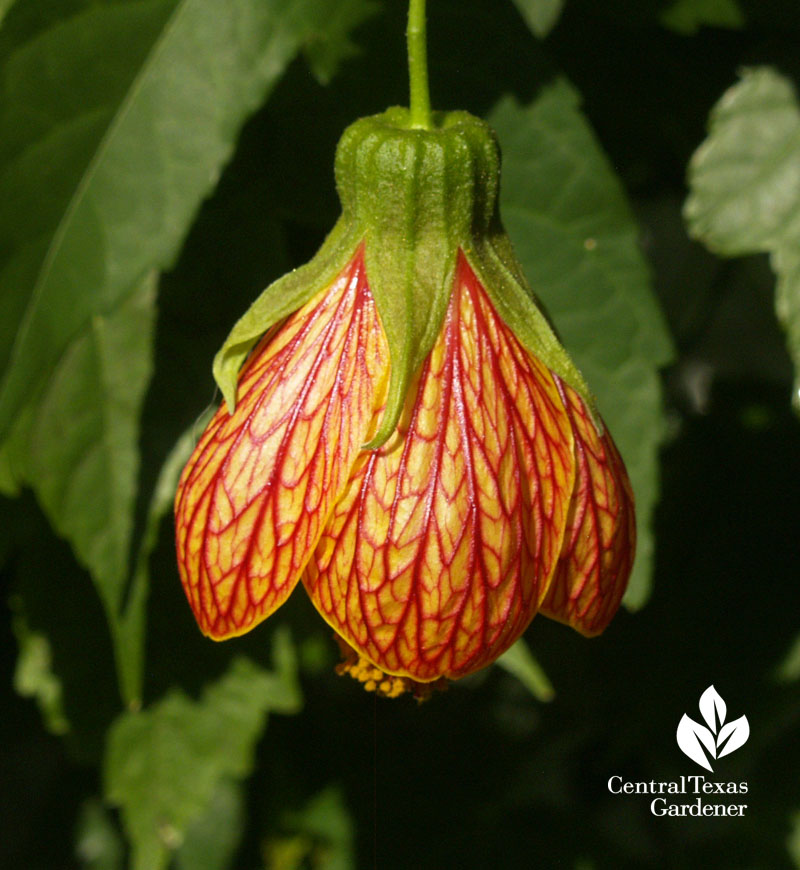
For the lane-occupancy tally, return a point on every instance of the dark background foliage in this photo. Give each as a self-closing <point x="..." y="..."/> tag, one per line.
<point x="485" y="774"/>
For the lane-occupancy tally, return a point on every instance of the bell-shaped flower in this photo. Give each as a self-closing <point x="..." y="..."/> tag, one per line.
<point x="403" y="431"/>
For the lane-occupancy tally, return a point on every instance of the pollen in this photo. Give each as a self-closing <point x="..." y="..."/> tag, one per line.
<point x="375" y="680"/>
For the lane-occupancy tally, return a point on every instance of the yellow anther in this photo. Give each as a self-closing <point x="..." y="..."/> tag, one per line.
<point x="373" y="679"/>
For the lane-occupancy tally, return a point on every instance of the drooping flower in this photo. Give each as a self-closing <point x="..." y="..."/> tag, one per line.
<point x="402" y="431"/>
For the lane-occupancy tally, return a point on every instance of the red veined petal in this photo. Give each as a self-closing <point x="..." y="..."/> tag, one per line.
<point x="256" y="494"/>
<point x="440" y="552"/>
<point x="599" y="546"/>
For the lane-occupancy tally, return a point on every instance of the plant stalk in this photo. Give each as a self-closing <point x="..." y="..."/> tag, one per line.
<point x="420" y="100"/>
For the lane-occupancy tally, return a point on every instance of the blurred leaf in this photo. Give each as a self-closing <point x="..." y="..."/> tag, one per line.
<point x="745" y="188"/>
<point x="164" y="764"/>
<point x="688" y="16"/>
<point x="55" y="599"/>
<point x="98" y="842"/>
<point x="321" y="836"/>
<point x="744" y="184"/>
<point x="212" y="839"/>
<point x="34" y="677"/>
<point x="5" y="5"/>
<point x="329" y="42"/>
<point x="9" y="480"/>
<point x="115" y="123"/>
<point x="788" y="670"/>
<point x="541" y="15"/>
<point x="567" y="216"/>
<point x="793" y="840"/>
<point x="77" y="447"/>
<point x="786" y="262"/>
<point x="130" y="624"/>
<point x="519" y="661"/>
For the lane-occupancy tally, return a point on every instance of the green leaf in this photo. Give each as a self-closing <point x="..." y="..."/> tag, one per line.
<point x="744" y="184"/>
<point x="744" y="187"/>
<point x="793" y="840"/>
<point x="320" y="835"/>
<point x="5" y="5"/>
<point x="688" y="16"/>
<point x="99" y="189"/>
<point x="329" y="42"/>
<point x="76" y="446"/>
<point x="33" y="674"/>
<point x="55" y="601"/>
<point x="165" y="765"/>
<point x="212" y="839"/>
<point x="786" y="263"/>
<point x="519" y="661"/>
<point x="541" y="15"/>
<point x="9" y="479"/>
<point x="129" y="624"/>
<point x="115" y="122"/>
<point x="568" y="218"/>
<point x="788" y="671"/>
<point x="98" y="843"/>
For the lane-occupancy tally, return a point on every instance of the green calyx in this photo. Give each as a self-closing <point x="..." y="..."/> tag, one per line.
<point x="414" y="196"/>
<point x="418" y="195"/>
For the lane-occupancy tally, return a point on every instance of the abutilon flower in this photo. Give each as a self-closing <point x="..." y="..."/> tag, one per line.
<point x="402" y="431"/>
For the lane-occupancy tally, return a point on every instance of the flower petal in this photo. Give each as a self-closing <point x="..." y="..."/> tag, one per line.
<point x="257" y="492"/>
<point x="442" y="548"/>
<point x="599" y="545"/>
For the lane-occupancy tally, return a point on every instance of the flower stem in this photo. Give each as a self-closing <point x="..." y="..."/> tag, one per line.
<point x="420" y="102"/>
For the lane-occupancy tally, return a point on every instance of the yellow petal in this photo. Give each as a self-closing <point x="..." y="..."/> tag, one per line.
<point x="598" y="551"/>
<point x="443" y="546"/>
<point x="256" y="494"/>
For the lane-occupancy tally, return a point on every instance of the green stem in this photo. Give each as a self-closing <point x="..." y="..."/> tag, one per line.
<point x="420" y="102"/>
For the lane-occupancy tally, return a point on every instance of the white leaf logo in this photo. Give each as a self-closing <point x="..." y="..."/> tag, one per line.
<point x="732" y="736"/>
<point x="718" y="739"/>
<point x="713" y="708"/>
